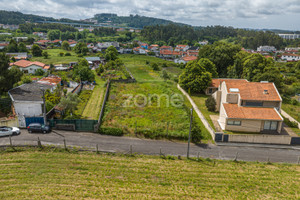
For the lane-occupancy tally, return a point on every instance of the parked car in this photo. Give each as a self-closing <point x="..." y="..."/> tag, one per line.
<point x="5" y="130"/>
<point x="38" y="128"/>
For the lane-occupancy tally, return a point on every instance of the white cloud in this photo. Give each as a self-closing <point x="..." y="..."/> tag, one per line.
<point x="196" y="12"/>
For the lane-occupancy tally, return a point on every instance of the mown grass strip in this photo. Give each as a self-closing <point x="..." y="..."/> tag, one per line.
<point x="51" y="174"/>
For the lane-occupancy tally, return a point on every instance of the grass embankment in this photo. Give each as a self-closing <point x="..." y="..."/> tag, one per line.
<point x="199" y="100"/>
<point x="92" y="109"/>
<point x="292" y="110"/>
<point x="55" y="58"/>
<point x="151" y="120"/>
<point x="36" y="174"/>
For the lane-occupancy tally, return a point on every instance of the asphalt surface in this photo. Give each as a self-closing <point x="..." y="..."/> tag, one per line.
<point x="244" y="152"/>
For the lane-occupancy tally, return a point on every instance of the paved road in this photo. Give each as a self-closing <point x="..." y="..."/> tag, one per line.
<point x="152" y="147"/>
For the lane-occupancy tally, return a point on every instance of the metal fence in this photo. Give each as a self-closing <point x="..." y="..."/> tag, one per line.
<point x="78" y="124"/>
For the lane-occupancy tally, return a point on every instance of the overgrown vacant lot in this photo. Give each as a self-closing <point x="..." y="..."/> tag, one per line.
<point x="55" y="58"/>
<point x="35" y="174"/>
<point x="148" y="105"/>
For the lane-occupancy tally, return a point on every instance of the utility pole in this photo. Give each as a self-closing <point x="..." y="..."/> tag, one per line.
<point x="44" y="107"/>
<point x="191" y="121"/>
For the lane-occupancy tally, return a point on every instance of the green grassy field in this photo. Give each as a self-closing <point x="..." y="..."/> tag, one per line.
<point x="54" y="57"/>
<point x="147" y="110"/>
<point x="92" y="109"/>
<point x="55" y="174"/>
<point x="150" y="120"/>
<point x="84" y="97"/>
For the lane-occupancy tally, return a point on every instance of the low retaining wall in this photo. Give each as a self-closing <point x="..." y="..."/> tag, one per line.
<point x="260" y="139"/>
<point x="9" y="122"/>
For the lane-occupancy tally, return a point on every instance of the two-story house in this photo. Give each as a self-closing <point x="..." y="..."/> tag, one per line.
<point x="248" y="106"/>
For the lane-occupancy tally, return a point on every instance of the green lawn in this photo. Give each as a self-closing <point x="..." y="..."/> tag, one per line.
<point x="54" y="57"/>
<point x="92" y="109"/>
<point x="199" y="100"/>
<point x="54" y="174"/>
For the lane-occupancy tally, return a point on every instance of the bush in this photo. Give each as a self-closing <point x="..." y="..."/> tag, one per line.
<point x="210" y="104"/>
<point x="155" y="67"/>
<point x="147" y="62"/>
<point x="290" y="123"/>
<point x="196" y="134"/>
<point x="61" y="54"/>
<point x="111" y="131"/>
<point x="39" y="72"/>
<point x="68" y="54"/>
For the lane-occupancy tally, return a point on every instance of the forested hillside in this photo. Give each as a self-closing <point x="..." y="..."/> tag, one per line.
<point x="173" y="34"/>
<point x="135" y="21"/>
<point x="12" y="17"/>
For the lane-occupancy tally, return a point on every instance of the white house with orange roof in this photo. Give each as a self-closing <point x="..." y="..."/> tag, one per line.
<point x="30" y="67"/>
<point x="183" y="48"/>
<point x="185" y="59"/>
<point x="247" y="106"/>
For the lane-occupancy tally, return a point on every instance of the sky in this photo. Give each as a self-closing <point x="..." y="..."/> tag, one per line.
<point x="257" y="14"/>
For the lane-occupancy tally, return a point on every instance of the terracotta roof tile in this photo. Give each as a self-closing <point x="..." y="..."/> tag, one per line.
<point x="234" y="111"/>
<point x="189" y="58"/>
<point x="217" y="81"/>
<point x="255" y="90"/>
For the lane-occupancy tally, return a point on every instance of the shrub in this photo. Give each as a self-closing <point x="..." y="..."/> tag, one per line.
<point x="165" y="75"/>
<point x="111" y="131"/>
<point x="68" y="54"/>
<point x="290" y="123"/>
<point x="147" y="62"/>
<point x="196" y="134"/>
<point x="155" y="67"/>
<point x="164" y="65"/>
<point x="39" y="72"/>
<point x="210" y="104"/>
<point x="61" y="54"/>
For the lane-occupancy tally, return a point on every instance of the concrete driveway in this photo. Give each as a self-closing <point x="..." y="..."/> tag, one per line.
<point x="89" y="141"/>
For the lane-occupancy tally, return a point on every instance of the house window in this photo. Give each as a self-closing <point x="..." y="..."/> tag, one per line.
<point x="210" y="90"/>
<point x="234" y="123"/>
<point x="270" y="125"/>
<point x="254" y="103"/>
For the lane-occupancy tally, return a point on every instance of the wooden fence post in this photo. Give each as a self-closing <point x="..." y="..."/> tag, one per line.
<point x="65" y="145"/>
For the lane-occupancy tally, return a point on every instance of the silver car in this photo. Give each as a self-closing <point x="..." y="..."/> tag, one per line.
<point x="5" y="130"/>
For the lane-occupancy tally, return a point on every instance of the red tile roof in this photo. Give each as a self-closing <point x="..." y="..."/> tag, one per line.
<point x="217" y="81"/>
<point x="55" y="41"/>
<point x="43" y="41"/>
<point x="189" y="58"/>
<point x="26" y="63"/>
<point x="255" y="90"/>
<point x="233" y="111"/>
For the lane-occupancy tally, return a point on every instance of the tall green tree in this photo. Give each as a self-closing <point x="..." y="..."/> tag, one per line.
<point x="81" y="48"/>
<point x="236" y="70"/>
<point x="196" y="77"/>
<point x="22" y="47"/>
<point x="12" y="46"/>
<point x="111" y="53"/>
<point x="82" y="72"/>
<point x="221" y="54"/>
<point x="36" y="50"/>
<point x="8" y="77"/>
<point x="53" y="34"/>
<point x="65" y="45"/>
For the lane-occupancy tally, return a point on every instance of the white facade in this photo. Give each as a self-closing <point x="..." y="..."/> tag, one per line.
<point x="31" y="69"/>
<point x="289" y="36"/>
<point x="28" y="108"/>
<point x="290" y="57"/>
<point x="266" y="48"/>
